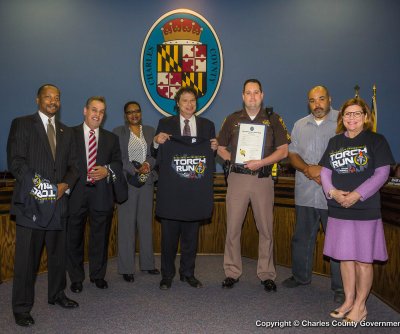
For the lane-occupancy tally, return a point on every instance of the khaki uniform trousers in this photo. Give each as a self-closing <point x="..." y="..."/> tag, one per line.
<point x="242" y="189"/>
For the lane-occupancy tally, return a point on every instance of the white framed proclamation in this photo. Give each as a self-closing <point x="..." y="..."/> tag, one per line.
<point x="250" y="142"/>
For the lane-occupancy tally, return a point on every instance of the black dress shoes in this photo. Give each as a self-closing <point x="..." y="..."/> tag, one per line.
<point x="269" y="285"/>
<point x="229" y="282"/>
<point x="193" y="281"/>
<point x="291" y="283"/>
<point x="165" y="284"/>
<point x="154" y="271"/>
<point x="100" y="283"/>
<point x="23" y="319"/>
<point x="76" y="287"/>
<point x="64" y="301"/>
<point x="129" y="278"/>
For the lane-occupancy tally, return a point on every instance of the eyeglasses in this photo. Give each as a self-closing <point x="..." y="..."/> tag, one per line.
<point x="130" y="112"/>
<point x="353" y="114"/>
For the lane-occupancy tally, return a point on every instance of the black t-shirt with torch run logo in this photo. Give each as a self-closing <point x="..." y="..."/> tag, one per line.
<point x="185" y="182"/>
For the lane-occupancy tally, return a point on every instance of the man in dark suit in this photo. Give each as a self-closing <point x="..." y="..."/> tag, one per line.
<point x="99" y="162"/>
<point x="39" y="144"/>
<point x="183" y="124"/>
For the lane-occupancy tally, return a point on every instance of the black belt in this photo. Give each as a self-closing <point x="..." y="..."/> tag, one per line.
<point x="242" y="170"/>
<point x="262" y="172"/>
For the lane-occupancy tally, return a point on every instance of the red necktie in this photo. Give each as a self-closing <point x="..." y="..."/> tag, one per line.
<point x="92" y="153"/>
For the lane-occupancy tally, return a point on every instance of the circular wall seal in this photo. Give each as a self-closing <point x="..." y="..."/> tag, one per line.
<point x="181" y="49"/>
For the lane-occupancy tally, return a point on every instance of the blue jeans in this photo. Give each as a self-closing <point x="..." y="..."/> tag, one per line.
<point x="303" y="243"/>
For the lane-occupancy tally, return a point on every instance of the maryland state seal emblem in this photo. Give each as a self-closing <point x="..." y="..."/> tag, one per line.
<point x="181" y="49"/>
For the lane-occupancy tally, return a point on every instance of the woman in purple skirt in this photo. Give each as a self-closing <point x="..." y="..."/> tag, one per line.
<point x="356" y="165"/>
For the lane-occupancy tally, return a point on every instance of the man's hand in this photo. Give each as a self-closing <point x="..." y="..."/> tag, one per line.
<point x="161" y="138"/>
<point x="214" y="144"/>
<point x="61" y="189"/>
<point x="313" y="172"/>
<point x="253" y="164"/>
<point x="98" y="173"/>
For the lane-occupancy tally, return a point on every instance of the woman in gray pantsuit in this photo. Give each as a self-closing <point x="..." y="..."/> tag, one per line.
<point x="137" y="212"/>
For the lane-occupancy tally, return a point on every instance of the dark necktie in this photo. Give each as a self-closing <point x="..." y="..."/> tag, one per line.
<point x="51" y="135"/>
<point x="186" y="128"/>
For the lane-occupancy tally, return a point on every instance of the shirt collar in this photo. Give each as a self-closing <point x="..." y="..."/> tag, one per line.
<point x="191" y="119"/>
<point x="45" y="119"/>
<point x="86" y="130"/>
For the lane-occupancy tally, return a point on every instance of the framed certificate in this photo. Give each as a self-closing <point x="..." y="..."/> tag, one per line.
<point x="250" y="143"/>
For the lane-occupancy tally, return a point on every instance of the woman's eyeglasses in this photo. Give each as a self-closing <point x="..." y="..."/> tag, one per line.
<point x="353" y="114"/>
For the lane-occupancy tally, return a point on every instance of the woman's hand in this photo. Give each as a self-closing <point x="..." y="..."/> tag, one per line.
<point x="350" y="199"/>
<point x="338" y="195"/>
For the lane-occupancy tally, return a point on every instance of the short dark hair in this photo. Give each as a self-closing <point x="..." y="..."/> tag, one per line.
<point x="186" y="89"/>
<point x="252" y="81"/>
<point x="42" y="87"/>
<point x="96" y="98"/>
<point x="132" y="102"/>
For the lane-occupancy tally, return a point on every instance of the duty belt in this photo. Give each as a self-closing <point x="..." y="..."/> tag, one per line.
<point x="262" y="172"/>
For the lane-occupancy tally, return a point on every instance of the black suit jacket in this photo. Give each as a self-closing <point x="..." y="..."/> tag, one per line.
<point x="108" y="153"/>
<point x="171" y="125"/>
<point x="28" y="149"/>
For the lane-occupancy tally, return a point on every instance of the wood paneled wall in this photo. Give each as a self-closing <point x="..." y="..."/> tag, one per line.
<point x="212" y="237"/>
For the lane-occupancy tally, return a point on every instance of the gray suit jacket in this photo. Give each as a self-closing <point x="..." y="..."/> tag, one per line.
<point x="123" y="133"/>
<point x="28" y="149"/>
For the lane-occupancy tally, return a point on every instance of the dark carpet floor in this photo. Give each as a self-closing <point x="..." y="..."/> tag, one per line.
<point x="141" y="307"/>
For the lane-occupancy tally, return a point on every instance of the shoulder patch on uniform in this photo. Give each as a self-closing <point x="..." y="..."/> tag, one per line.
<point x="284" y="127"/>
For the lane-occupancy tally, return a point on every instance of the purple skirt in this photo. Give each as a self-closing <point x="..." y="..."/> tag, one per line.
<point x="355" y="240"/>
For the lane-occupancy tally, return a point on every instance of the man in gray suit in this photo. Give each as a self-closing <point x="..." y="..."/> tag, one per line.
<point x="137" y="212"/>
<point x="39" y="144"/>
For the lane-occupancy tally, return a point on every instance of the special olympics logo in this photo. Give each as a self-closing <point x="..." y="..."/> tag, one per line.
<point x="181" y="49"/>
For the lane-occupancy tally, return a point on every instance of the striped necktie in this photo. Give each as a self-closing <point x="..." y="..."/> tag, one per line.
<point x="186" y="128"/>
<point x="51" y="135"/>
<point x="92" y="153"/>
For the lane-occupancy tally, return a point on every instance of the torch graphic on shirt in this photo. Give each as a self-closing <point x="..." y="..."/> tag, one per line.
<point x="200" y="168"/>
<point x="361" y="159"/>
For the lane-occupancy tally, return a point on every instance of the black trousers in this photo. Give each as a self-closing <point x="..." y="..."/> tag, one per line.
<point x="100" y="224"/>
<point x="28" y="249"/>
<point x="171" y="232"/>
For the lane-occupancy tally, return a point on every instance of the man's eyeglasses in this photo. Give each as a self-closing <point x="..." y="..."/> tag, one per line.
<point x="353" y="114"/>
<point x="130" y="112"/>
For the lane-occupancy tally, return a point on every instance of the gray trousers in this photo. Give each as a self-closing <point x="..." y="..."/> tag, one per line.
<point x="136" y="214"/>
<point x="303" y="243"/>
